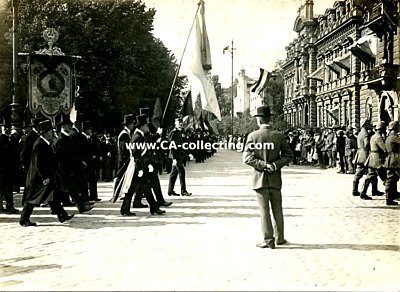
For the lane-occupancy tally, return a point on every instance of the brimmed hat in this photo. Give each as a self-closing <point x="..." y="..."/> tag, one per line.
<point x="392" y="125"/>
<point x="45" y="126"/>
<point x="142" y="120"/>
<point x="263" y="111"/>
<point x="128" y="119"/>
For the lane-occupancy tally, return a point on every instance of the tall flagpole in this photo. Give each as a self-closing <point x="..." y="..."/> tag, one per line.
<point x="180" y="64"/>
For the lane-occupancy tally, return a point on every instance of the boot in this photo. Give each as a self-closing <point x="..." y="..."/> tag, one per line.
<point x="363" y="194"/>
<point x="355" y="188"/>
<point x="126" y="206"/>
<point x="390" y="198"/>
<point x="25" y="215"/>
<point x="375" y="191"/>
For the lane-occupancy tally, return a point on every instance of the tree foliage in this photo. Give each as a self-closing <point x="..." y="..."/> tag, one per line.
<point x="123" y="66"/>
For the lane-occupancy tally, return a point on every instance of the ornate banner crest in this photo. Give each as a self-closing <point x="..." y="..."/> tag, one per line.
<point x="50" y="85"/>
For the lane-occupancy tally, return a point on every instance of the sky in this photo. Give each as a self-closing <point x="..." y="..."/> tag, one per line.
<point x="260" y="30"/>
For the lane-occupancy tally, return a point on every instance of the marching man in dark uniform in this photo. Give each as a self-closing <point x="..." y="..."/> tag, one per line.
<point x="375" y="162"/>
<point x="392" y="163"/>
<point x="176" y="154"/>
<point x="67" y="180"/>
<point x="140" y="181"/>
<point x="40" y="181"/>
<point x="123" y="138"/>
<point x="7" y="164"/>
<point x="267" y="162"/>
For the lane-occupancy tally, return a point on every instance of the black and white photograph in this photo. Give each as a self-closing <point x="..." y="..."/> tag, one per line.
<point x="199" y="145"/>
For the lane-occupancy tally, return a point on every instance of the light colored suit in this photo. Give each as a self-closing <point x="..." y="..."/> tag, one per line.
<point x="281" y="155"/>
<point x="264" y="147"/>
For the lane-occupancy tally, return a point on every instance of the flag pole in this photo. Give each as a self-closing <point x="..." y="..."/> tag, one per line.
<point x="180" y="63"/>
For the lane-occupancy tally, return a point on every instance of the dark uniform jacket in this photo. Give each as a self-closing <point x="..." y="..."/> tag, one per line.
<point x="176" y="140"/>
<point x="258" y="157"/>
<point x="393" y="148"/>
<point x="141" y="154"/>
<point x="123" y="153"/>
<point x="363" y="147"/>
<point x="6" y="162"/>
<point x="43" y="166"/>
<point x="376" y="156"/>
<point x="68" y="165"/>
<point x="26" y="149"/>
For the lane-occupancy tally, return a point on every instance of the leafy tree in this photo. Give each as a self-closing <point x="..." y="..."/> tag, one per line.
<point x="123" y="66"/>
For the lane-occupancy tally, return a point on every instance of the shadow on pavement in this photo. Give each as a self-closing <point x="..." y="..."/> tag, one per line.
<point x="8" y="270"/>
<point x="362" y="247"/>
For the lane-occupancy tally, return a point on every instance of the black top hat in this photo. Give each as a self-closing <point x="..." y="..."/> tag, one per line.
<point x="144" y="111"/>
<point x="263" y="111"/>
<point x="45" y="126"/>
<point x="142" y="120"/>
<point x="128" y="119"/>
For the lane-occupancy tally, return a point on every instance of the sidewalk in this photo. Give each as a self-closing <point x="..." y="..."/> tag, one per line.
<point x="207" y="241"/>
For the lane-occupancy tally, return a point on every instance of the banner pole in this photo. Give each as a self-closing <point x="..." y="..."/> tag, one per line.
<point x="180" y="64"/>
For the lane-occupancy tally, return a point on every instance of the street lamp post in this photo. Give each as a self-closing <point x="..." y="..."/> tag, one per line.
<point x="15" y="106"/>
<point x="231" y="49"/>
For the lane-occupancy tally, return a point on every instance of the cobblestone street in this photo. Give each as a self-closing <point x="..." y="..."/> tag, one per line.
<point x="207" y="241"/>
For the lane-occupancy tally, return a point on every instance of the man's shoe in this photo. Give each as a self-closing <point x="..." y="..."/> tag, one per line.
<point x="11" y="210"/>
<point x="63" y="218"/>
<point x="165" y="204"/>
<point x="186" y="193"/>
<point x="356" y="194"/>
<point x="281" y="242"/>
<point x="127" y="213"/>
<point x="89" y="203"/>
<point x="264" y="244"/>
<point x="173" y="194"/>
<point x="156" y="211"/>
<point x="27" y="223"/>
<point x="96" y="199"/>
<point x="139" y="205"/>
<point x="365" y="197"/>
<point x="391" y="203"/>
<point x="378" y="193"/>
<point x="85" y="208"/>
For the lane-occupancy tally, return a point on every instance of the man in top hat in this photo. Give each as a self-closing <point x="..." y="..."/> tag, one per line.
<point x="40" y="181"/>
<point x="267" y="181"/>
<point x="140" y="181"/>
<point x="89" y="154"/>
<point x="7" y="166"/>
<point x="154" y="163"/>
<point x="392" y="163"/>
<point x="68" y="168"/>
<point x="124" y="137"/>
<point x="375" y="161"/>
<point x="176" y="154"/>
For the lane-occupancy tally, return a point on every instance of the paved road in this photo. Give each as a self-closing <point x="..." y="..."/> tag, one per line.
<point x="207" y="241"/>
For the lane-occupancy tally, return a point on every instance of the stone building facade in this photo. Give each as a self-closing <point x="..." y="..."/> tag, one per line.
<point x="344" y="65"/>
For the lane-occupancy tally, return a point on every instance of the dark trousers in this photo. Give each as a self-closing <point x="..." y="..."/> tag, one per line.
<point x="392" y="177"/>
<point x="140" y="186"/>
<point x="342" y="162"/>
<point x="360" y="171"/>
<point x="91" y="176"/>
<point x="156" y="186"/>
<point x="177" y="169"/>
<point x="265" y="197"/>
<point x="55" y="207"/>
<point x="6" y="192"/>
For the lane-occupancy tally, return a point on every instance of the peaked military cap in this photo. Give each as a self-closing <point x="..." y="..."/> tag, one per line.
<point x="45" y="126"/>
<point x="142" y="120"/>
